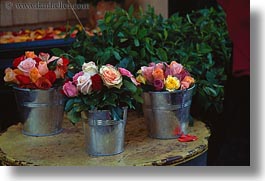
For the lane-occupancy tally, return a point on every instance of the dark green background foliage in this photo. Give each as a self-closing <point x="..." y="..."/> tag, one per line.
<point x="198" y="40"/>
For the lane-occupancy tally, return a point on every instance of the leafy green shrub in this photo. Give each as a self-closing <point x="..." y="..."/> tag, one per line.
<point x="198" y="40"/>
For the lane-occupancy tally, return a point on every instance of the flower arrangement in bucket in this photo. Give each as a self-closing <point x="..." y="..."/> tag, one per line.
<point x="167" y="98"/>
<point x="37" y="82"/>
<point x="100" y="95"/>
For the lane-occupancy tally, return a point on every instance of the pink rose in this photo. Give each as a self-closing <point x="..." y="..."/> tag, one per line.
<point x="147" y="73"/>
<point x="84" y="84"/>
<point x="175" y="68"/>
<point x="160" y="66"/>
<point x="76" y="77"/>
<point x="70" y="89"/>
<point x="159" y="85"/>
<point x="111" y="76"/>
<point x="184" y="85"/>
<point x="127" y="73"/>
<point x="44" y="56"/>
<point x="27" y="65"/>
<point x="53" y="58"/>
<point x="43" y="68"/>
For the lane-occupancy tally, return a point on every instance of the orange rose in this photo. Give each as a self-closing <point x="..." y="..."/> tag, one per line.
<point x="30" y="54"/>
<point x="188" y="79"/>
<point x="18" y="72"/>
<point x="158" y="74"/>
<point x="10" y="76"/>
<point x="34" y="74"/>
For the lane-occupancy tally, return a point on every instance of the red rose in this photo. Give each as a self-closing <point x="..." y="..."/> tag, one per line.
<point x="17" y="61"/>
<point x="96" y="82"/>
<point x="37" y="59"/>
<point x="43" y="83"/>
<point x="23" y="79"/>
<point x="51" y="76"/>
<point x="65" y="61"/>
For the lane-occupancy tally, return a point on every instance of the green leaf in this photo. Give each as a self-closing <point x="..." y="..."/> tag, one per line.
<point x="136" y="42"/>
<point x="131" y="10"/>
<point x="80" y="60"/>
<point x="127" y="63"/>
<point x="165" y="34"/>
<point x="130" y="86"/>
<point x="57" y="52"/>
<point x="142" y="33"/>
<point x="116" y="55"/>
<point x="161" y="53"/>
<point x="123" y="40"/>
<point x="117" y="113"/>
<point x="73" y="116"/>
<point x="68" y="105"/>
<point x="210" y="91"/>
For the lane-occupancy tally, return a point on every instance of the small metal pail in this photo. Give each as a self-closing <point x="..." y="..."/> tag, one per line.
<point x="104" y="136"/>
<point x="167" y="113"/>
<point x="41" y="111"/>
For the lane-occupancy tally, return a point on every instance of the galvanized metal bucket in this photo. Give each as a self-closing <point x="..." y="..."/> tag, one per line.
<point x="103" y="136"/>
<point x="41" y="111"/>
<point x="167" y="113"/>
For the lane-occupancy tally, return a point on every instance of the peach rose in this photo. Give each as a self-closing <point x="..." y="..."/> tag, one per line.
<point x="147" y="73"/>
<point x="10" y="76"/>
<point x="175" y="68"/>
<point x="43" y="68"/>
<point x="27" y="65"/>
<point x="111" y="76"/>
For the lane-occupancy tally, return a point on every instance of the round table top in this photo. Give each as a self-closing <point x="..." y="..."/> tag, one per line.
<point x="68" y="147"/>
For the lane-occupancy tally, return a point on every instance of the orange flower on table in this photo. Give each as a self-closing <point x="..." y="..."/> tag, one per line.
<point x="34" y="75"/>
<point x="158" y="74"/>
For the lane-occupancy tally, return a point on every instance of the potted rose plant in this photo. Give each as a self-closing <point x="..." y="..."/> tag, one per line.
<point x="100" y="96"/>
<point x="37" y="82"/>
<point x="167" y="98"/>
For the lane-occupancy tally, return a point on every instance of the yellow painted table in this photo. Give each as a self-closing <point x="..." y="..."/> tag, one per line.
<point x="68" y="147"/>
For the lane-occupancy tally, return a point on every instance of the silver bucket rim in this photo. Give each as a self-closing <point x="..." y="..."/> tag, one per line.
<point x="34" y="90"/>
<point x="167" y="92"/>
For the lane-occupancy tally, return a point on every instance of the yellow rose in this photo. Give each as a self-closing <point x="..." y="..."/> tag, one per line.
<point x="172" y="83"/>
<point x="141" y="79"/>
<point x="111" y="77"/>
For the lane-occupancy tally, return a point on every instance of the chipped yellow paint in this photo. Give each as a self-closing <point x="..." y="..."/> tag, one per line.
<point x="68" y="147"/>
